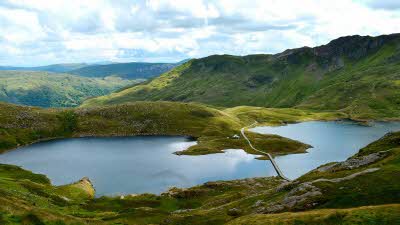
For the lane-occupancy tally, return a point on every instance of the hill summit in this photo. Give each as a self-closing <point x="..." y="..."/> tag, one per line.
<point x="354" y="74"/>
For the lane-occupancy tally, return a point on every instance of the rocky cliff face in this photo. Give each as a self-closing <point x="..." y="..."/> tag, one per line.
<point x="327" y="57"/>
<point x="331" y="56"/>
<point x="353" y="47"/>
<point x="357" y="74"/>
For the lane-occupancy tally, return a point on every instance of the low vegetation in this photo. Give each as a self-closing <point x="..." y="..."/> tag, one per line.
<point x="211" y="99"/>
<point x="46" y="89"/>
<point x="214" y="129"/>
<point x="357" y="75"/>
<point x="132" y="70"/>
<point x="382" y="214"/>
<point x="361" y="190"/>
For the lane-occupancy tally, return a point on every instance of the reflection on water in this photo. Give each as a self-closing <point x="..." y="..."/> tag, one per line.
<point x="331" y="141"/>
<point x="133" y="164"/>
<point x="146" y="164"/>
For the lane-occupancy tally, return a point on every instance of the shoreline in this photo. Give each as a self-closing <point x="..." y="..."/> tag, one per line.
<point x="193" y="138"/>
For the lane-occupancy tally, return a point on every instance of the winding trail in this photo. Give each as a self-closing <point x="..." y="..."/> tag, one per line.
<point x="278" y="171"/>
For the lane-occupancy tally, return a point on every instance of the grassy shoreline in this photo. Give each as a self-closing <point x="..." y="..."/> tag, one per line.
<point x="212" y="128"/>
<point x="28" y="198"/>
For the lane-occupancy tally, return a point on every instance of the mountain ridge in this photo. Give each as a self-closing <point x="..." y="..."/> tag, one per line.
<point x="355" y="74"/>
<point x="131" y="70"/>
<point x="128" y="70"/>
<point x="56" y="68"/>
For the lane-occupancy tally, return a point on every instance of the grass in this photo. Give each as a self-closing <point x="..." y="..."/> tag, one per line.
<point x="154" y="84"/>
<point x="134" y="70"/>
<point x="28" y="124"/>
<point x="366" y="87"/>
<point x="363" y="86"/>
<point x="54" y="90"/>
<point x="385" y="214"/>
<point x="47" y="203"/>
<point x="377" y="188"/>
<point x="27" y="198"/>
<point x="213" y="128"/>
<point x="279" y="116"/>
<point x="367" y="199"/>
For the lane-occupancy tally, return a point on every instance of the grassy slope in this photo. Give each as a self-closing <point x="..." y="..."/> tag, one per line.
<point x="357" y="75"/>
<point x="384" y="214"/>
<point x="135" y="70"/>
<point x="212" y="127"/>
<point x="25" y="197"/>
<point x="279" y="116"/>
<point x="29" y="124"/>
<point x="53" y="90"/>
<point x="374" y="188"/>
<point x="30" y="197"/>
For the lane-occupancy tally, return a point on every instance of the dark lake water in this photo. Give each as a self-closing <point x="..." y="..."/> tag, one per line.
<point x="146" y="164"/>
<point x="133" y="164"/>
<point x="331" y="141"/>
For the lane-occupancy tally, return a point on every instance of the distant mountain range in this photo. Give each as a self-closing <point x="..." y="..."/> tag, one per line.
<point x="56" y="68"/>
<point x="45" y="89"/>
<point x="358" y="75"/>
<point x="132" y="70"/>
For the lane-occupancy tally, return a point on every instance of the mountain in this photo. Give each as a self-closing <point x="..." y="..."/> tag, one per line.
<point x="56" y="68"/>
<point x="357" y="75"/>
<point x="47" y="89"/>
<point x="133" y="70"/>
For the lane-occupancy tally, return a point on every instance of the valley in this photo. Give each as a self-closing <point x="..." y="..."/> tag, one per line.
<point x="69" y="84"/>
<point x="130" y="71"/>
<point x="47" y="89"/>
<point x="356" y="75"/>
<point x="326" y="114"/>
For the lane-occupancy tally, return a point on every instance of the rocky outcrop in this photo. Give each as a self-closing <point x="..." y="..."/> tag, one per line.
<point x="353" y="47"/>
<point x="305" y="195"/>
<point x="300" y="195"/>
<point x="354" y="162"/>
<point x="86" y="186"/>
<point x="184" y="192"/>
<point x="336" y="180"/>
<point x="234" y="212"/>
<point x="330" y="57"/>
<point x="250" y="184"/>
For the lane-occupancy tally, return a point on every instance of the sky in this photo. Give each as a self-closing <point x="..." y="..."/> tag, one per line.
<point x="41" y="32"/>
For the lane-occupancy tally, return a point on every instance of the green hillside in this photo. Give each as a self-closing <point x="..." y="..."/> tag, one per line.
<point x="357" y="75"/>
<point x="132" y="70"/>
<point x="361" y="190"/>
<point x="54" y="90"/>
<point x="212" y="127"/>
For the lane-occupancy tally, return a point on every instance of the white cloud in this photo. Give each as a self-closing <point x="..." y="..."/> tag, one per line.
<point x="54" y="31"/>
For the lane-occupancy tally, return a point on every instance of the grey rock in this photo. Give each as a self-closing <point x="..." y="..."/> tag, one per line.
<point x="182" y="210"/>
<point x="291" y="201"/>
<point x="274" y="208"/>
<point x="354" y="163"/>
<point x="258" y="203"/>
<point x="234" y="212"/>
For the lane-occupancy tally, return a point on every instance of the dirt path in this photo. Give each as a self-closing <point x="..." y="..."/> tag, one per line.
<point x="277" y="169"/>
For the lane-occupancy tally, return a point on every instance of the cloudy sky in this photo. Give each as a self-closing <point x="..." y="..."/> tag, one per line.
<point x="39" y="32"/>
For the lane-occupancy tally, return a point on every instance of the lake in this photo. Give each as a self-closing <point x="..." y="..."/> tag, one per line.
<point x="331" y="141"/>
<point x="126" y="165"/>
